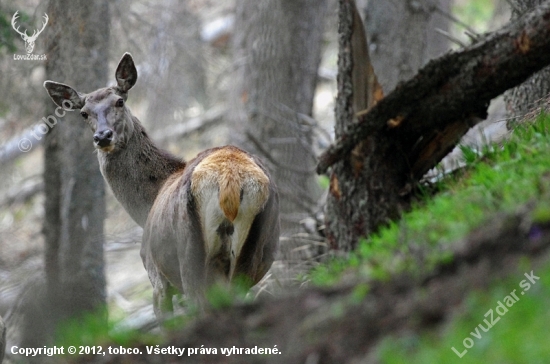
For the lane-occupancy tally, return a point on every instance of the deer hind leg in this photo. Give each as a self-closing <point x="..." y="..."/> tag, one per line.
<point x="162" y="299"/>
<point x="219" y="264"/>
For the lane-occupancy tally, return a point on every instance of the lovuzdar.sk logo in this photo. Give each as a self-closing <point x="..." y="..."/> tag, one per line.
<point x="29" y="40"/>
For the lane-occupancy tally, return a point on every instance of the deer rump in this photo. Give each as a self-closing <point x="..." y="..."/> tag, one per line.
<point x="236" y="236"/>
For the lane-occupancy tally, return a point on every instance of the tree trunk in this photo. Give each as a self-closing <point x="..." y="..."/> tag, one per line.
<point x="367" y="191"/>
<point x="402" y="37"/>
<point x="532" y="93"/>
<point x="363" y="187"/>
<point x="2" y="339"/>
<point x="177" y="80"/>
<point x="77" y="51"/>
<point x="277" y="50"/>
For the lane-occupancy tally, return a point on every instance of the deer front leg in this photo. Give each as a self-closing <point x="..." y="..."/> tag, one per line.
<point x="162" y="289"/>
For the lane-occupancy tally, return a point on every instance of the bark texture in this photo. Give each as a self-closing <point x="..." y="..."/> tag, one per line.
<point x="532" y="93"/>
<point x="454" y="86"/>
<point x="356" y="196"/>
<point x="77" y="44"/>
<point x="2" y="339"/>
<point x="277" y="48"/>
<point x="177" y="77"/>
<point x="402" y="37"/>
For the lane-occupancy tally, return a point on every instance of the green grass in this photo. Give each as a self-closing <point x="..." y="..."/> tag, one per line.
<point x="519" y="336"/>
<point x="499" y="180"/>
<point x="90" y="329"/>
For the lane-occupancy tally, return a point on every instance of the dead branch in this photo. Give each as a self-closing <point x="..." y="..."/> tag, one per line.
<point x="210" y="118"/>
<point x="20" y="145"/>
<point x="428" y="114"/>
<point x="23" y="191"/>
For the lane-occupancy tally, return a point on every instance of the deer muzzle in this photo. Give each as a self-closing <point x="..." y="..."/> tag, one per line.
<point x="103" y="138"/>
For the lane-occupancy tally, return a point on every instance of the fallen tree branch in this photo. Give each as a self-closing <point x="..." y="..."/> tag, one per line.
<point x="430" y="112"/>
<point x="208" y="119"/>
<point x="23" y="191"/>
<point x="20" y="145"/>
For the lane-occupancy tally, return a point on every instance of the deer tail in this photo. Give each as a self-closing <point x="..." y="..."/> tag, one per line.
<point x="230" y="195"/>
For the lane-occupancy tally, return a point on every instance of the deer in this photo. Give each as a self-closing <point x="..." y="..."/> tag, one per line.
<point x="29" y="40"/>
<point x="206" y="221"/>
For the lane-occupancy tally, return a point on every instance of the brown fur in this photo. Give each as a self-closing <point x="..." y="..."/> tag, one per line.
<point x="231" y="167"/>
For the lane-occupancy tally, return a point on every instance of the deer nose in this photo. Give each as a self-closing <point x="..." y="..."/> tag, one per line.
<point x="103" y="138"/>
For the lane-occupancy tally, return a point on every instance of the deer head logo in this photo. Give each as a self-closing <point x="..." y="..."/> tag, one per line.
<point x="29" y="40"/>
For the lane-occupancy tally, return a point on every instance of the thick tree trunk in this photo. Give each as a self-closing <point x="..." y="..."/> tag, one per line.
<point x="277" y="49"/>
<point x="378" y="159"/>
<point x="366" y="191"/>
<point x="77" y="51"/>
<point x="359" y="195"/>
<point x="402" y="37"/>
<point x="532" y="93"/>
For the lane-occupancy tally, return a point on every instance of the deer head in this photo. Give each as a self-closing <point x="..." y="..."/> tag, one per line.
<point x="29" y="40"/>
<point x="104" y="109"/>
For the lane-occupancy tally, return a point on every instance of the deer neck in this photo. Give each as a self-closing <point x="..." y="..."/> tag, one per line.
<point x="137" y="171"/>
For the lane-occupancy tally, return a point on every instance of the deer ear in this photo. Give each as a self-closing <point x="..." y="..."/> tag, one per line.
<point x="126" y="73"/>
<point x="64" y="96"/>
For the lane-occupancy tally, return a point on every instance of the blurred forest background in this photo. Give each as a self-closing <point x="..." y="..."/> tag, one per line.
<point x="210" y="73"/>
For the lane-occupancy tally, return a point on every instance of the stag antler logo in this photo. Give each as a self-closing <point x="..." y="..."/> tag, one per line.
<point x="29" y="40"/>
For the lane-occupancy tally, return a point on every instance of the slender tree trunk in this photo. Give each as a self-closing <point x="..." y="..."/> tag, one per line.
<point x="77" y="44"/>
<point x="277" y="49"/>
<point x="533" y="92"/>
<point x="2" y="339"/>
<point x="178" y="79"/>
<point x="402" y="37"/>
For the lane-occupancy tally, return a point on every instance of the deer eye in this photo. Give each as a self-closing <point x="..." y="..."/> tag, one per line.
<point x="84" y="114"/>
<point x="119" y="103"/>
